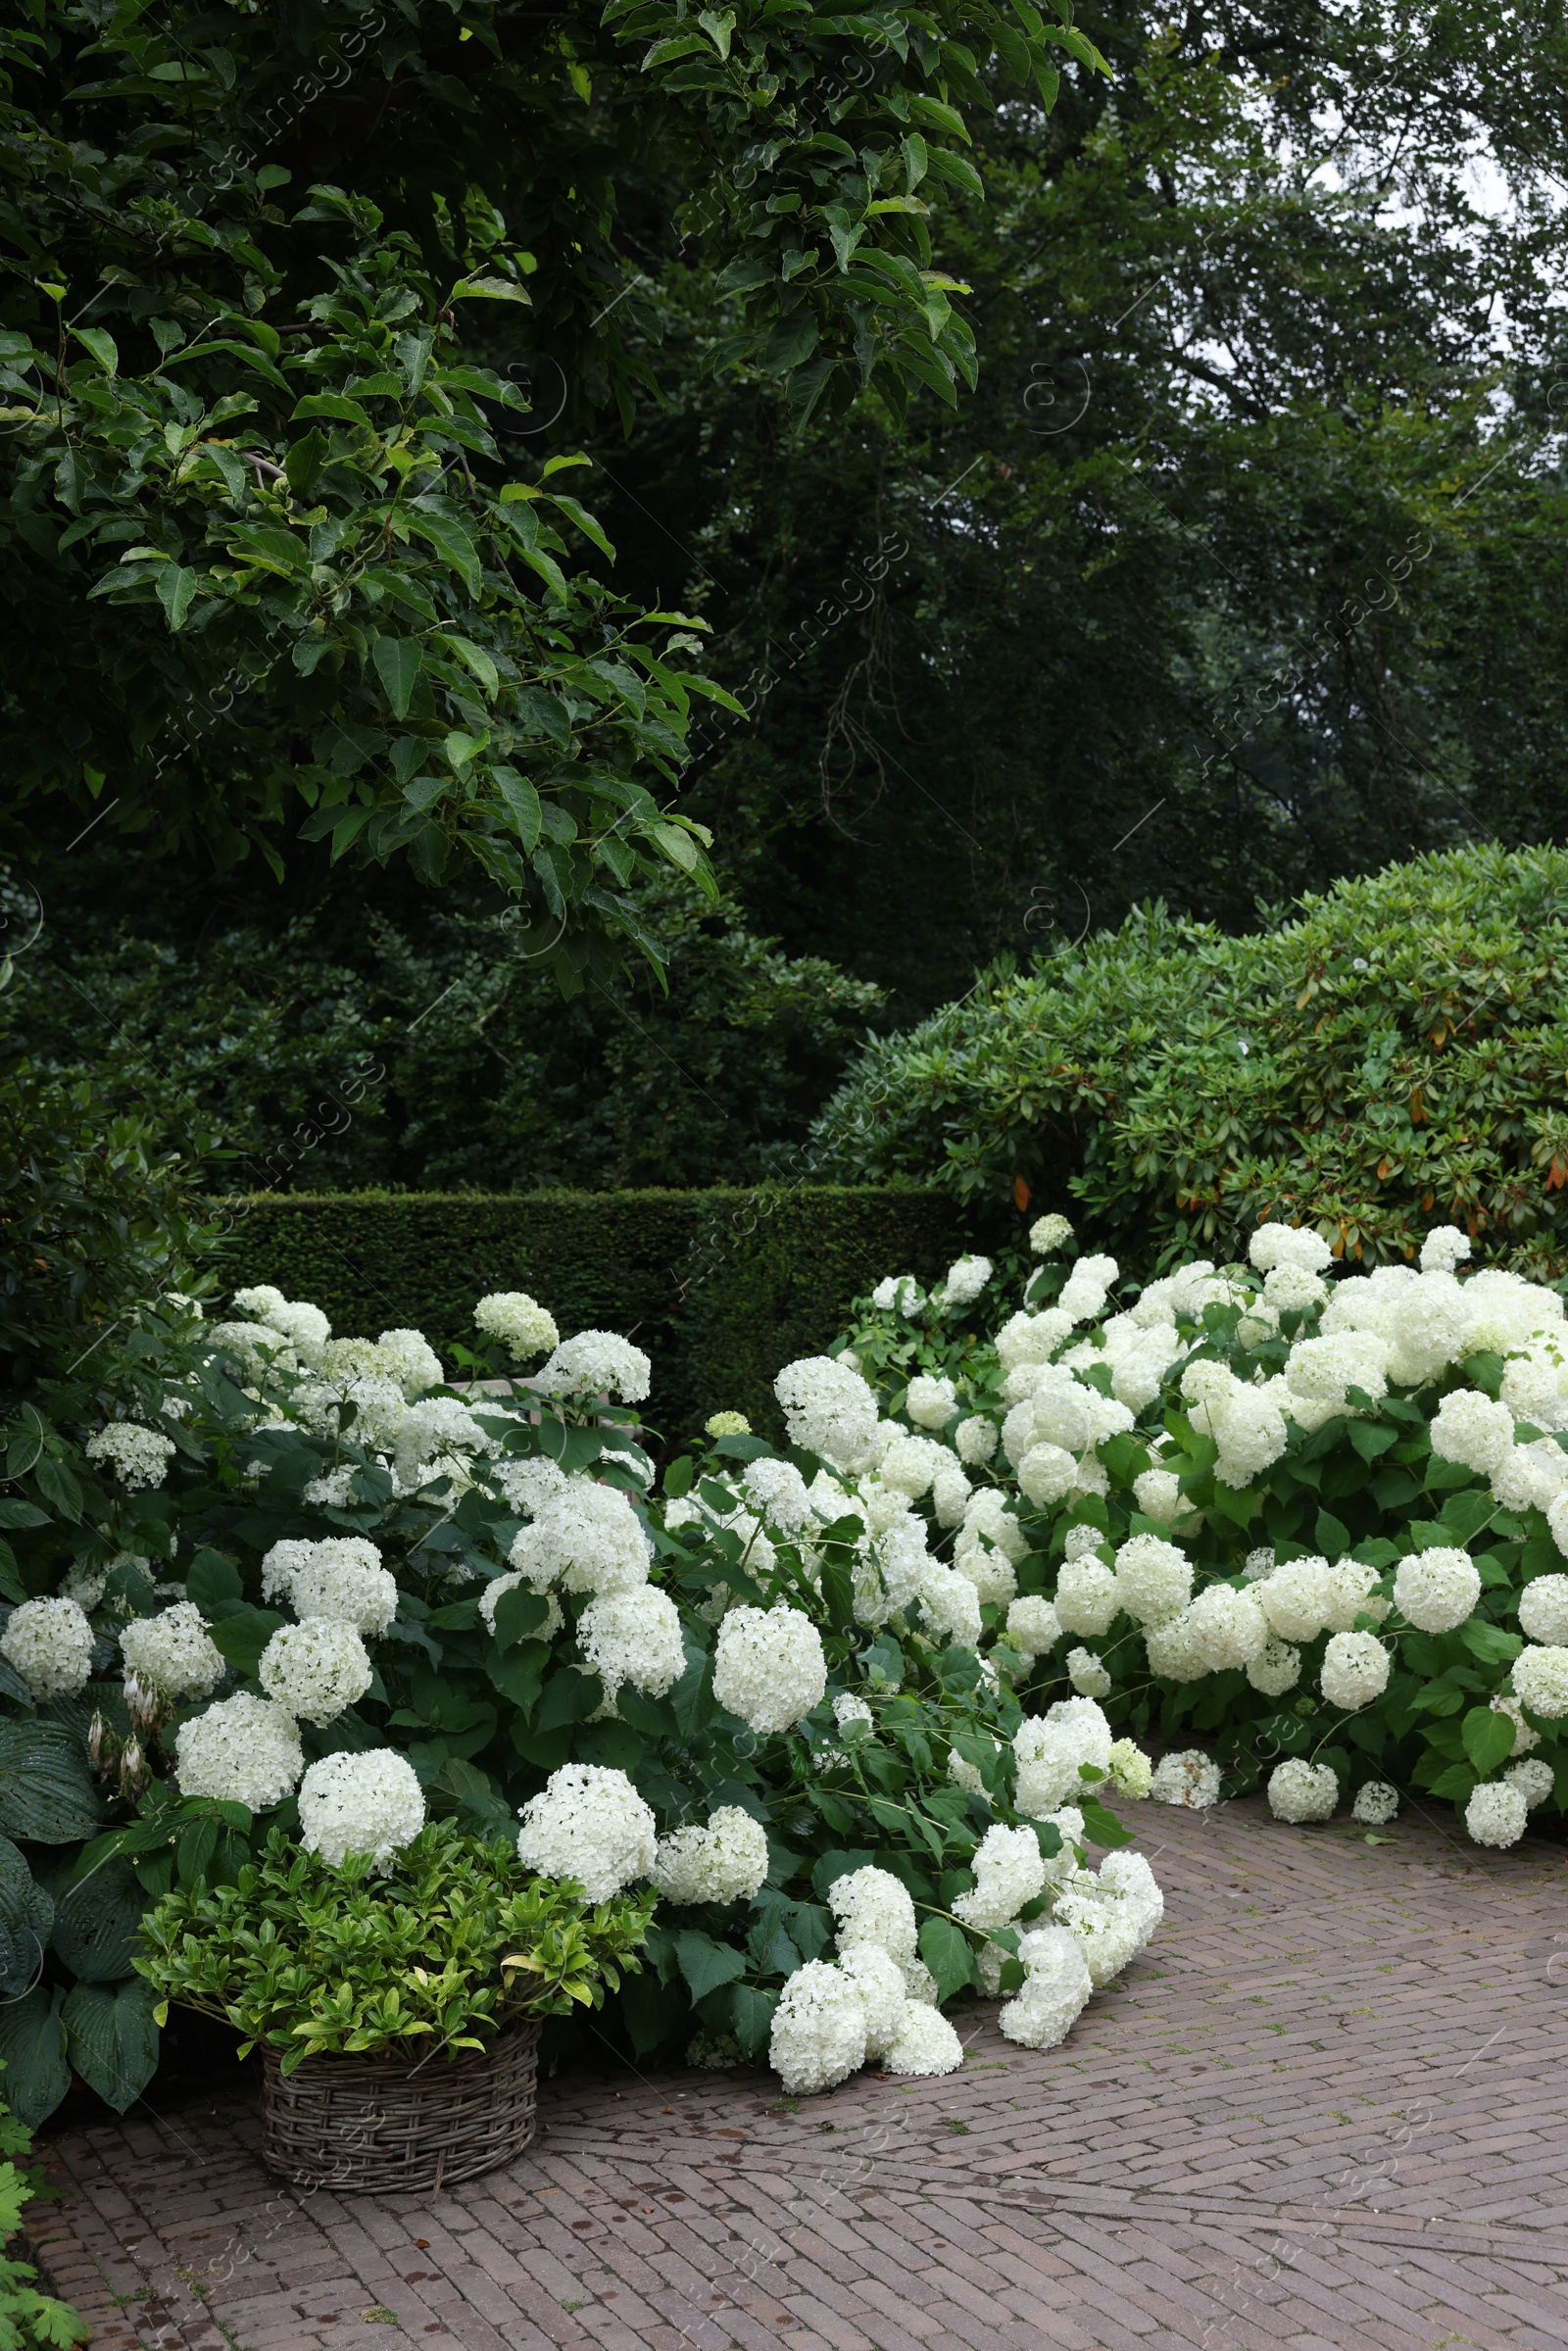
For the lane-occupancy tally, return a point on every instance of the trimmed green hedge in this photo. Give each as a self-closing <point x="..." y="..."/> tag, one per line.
<point x="719" y="1286"/>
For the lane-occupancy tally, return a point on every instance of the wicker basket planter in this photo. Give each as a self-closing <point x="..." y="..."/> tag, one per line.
<point x="374" y="2125"/>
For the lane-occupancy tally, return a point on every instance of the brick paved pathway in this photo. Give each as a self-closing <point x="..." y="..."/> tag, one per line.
<point x="1327" y="2107"/>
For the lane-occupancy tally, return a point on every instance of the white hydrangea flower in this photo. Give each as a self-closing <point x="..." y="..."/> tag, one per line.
<point x="988" y="1514"/>
<point x="408" y="1358"/>
<point x="768" y="1667"/>
<point x="725" y="1862"/>
<point x="1543" y="1610"/>
<point x="368" y="1803"/>
<point x="498" y="1586"/>
<point x="1188" y="1778"/>
<point x="950" y="1605"/>
<point x="1375" y="1804"/>
<point x="1226" y="1627"/>
<point x="588" y="1823"/>
<point x="1540" y="1680"/>
<point x="139" y="1457"/>
<point x="926" y="2044"/>
<point x="526" y="1485"/>
<point x="1297" y="1599"/>
<point x="1048" y="1234"/>
<point x="281" y="1564"/>
<point x="1319" y="1373"/>
<point x="1081" y="1541"/>
<point x="1088" y="1675"/>
<point x="49" y="1642"/>
<point x="343" y="1578"/>
<point x="909" y="1463"/>
<point x="829" y="1409"/>
<point x="967" y="1276"/>
<point x="975" y="1439"/>
<point x="1159" y="1494"/>
<point x="1108" y="1932"/>
<point x="989" y="1570"/>
<point x="897" y="1293"/>
<point x="1258" y="1563"/>
<point x="1292" y="1290"/>
<point x="1128" y="1877"/>
<point x="930" y="1402"/>
<point x="951" y="1492"/>
<point x="1531" y="1477"/>
<point x="1173" y="1654"/>
<point x="173" y="1653"/>
<point x="1353" y="1592"/>
<point x="779" y="1491"/>
<point x="818" y="2035"/>
<point x="1524" y="1738"/>
<point x="1496" y="1813"/>
<point x="1131" y="1772"/>
<point x="1009" y="1872"/>
<point x="634" y="1636"/>
<point x="1289" y="1245"/>
<point x="1534" y="1780"/>
<point x="334" y="1491"/>
<point x="1154" y="1578"/>
<point x="1275" y="1669"/>
<point x="879" y="1981"/>
<point x="1055" y="1989"/>
<point x="511" y="1315"/>
<point x="1033" y="1626"/>
<point x="597" y="1363"/>
<point x="1470" y="1428"/>
<point x="1051" y="1748"/>
<point x="85" y="1584"/>
<point x="1026" y="1341"/>
<point x="587" y="1538"/>
<point x="871" y="1905"/>
<point x="1435" y="1590"/>
<point x="1355" y="1670"/>
<point x="436" y="1426"/>
<point x="243" y="1751"/>
<point x="1088" y="1596"/>
<point x="1444" y="1250"/>
<point x="1298" y="1790"/>
<point x="315" y="1669"/>
<point x="1046" y="1473"/>
<point x="890" y="1569"/>
<point x="304" y="1327"/>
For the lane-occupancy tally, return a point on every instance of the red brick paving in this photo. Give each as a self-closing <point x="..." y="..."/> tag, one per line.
<point x="1325" y="2108"/>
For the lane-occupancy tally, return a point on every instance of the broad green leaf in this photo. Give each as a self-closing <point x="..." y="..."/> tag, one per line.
<point x="32" y="2051"/>
<point x="398" y="663"/>
<point x="242" y="1637"/>
<point x="112" y="2039"/>
<point x="27" y="1916"/>
<point x="1488" y="1739"/>
<point x="96" y="1920"/>
<point x="213" y="1585"/>
<point x="752" y="2010"/>
<point x="707" y="1964"/>
<point x="46" y="1796"/>
<point x="945" y="1948"/>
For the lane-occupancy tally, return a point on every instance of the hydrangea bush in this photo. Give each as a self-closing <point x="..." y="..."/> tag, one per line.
<point x="1320" y="1523"/>
<point x="308" y="1589"/>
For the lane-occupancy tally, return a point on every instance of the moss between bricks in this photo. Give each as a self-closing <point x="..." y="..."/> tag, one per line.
<point x="719" y="1286"/>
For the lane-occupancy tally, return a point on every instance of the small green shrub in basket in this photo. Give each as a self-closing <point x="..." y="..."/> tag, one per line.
<point x="438" y="1948"/>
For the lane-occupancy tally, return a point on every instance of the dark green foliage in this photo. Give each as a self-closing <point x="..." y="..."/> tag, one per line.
<point x="387" y="1035"/>
<point x="1385" y="1058"/>
<point x="720" y="1288"/>
<point x="451" y="1941"/>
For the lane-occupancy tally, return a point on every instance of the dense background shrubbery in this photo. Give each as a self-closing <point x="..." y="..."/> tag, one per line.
<point x="1390" y="1054"/>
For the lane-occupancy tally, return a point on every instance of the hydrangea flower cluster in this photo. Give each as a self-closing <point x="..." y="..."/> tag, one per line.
<point x="770" y="1667"/>
<point x="139" y="1457"/>
<point x="724" y="1862"/>
<point x="243" y="1751"/>
<point x="172" y="1653"/>
<point x="589" y="1824"/>
<point x="368" y="1803"/>
<point x="315" y="1669"/>
<point x="511" y="1315"/>
<point x="49" y="1642"/>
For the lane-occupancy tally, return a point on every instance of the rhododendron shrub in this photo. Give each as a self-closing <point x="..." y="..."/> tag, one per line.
<point x="339" y="1596"/>
<point x="1316" y="1519"/>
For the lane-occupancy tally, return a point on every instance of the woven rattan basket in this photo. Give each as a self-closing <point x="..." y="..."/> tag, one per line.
<point x="367" y="2126"/>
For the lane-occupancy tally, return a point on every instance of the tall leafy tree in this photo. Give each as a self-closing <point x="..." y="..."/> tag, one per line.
<point x="264" y="547"/>
<point x="1243" y="569"/>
